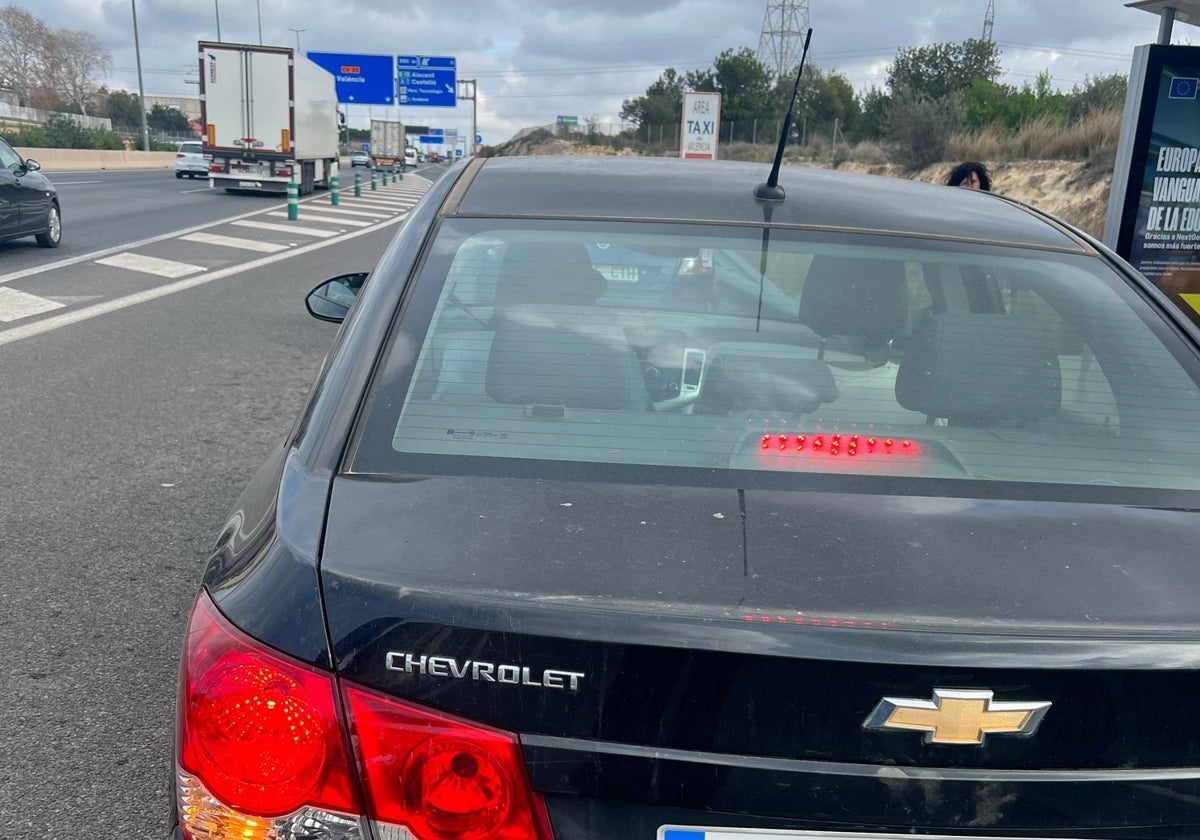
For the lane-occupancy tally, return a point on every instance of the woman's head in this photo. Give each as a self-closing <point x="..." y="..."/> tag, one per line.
<point x="972" y="175"/>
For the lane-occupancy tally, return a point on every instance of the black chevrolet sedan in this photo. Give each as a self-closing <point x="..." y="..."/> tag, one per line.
<point x="633" y="504"/>
<point x="28" y="201"/>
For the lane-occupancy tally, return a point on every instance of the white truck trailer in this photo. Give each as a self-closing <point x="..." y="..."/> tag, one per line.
<point x="387" y="142"/>
<point x="269" y="118"/>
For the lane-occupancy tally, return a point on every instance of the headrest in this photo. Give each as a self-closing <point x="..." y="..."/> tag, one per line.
<point x="852" y="296"/>
<point x="977" y="369"/>
<point x="562" y="355"/>
<point x="747" y="377"/>
<point x="548" y="272"/>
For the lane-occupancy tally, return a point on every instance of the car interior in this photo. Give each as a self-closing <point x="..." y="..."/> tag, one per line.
<point x="870" y="355"/>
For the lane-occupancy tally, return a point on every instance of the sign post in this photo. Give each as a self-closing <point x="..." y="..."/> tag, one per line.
<point x="699" y="125"/>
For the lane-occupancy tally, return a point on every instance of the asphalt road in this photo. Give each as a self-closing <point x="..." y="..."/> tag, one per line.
<point x="133" y="413"/>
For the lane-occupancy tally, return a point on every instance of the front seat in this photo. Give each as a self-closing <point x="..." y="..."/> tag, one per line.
<point x="859" y="300"/>
<point x="975" y="369"/>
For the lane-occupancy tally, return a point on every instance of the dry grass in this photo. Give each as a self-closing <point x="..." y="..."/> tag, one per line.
<point x="1093" y="139"/>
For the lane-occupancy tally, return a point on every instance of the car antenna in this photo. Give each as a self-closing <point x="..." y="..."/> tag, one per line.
<point x="771" y="191"/>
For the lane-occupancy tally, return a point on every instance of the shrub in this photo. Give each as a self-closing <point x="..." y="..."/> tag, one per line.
<point x="918" y="128"/>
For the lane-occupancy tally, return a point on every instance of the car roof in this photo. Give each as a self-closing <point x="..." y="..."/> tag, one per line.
<point x="627" y="187"/>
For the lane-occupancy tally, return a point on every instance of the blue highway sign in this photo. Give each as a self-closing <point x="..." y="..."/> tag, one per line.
<point x="431" y="138"/>
<point x="426" y="80"/>
<point x="359" y="79"/>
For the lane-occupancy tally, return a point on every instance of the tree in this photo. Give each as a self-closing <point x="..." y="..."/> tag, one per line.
<point x="938" y="70"/>
<point x="124" y="109"/>
<point x="918" y="127"/>
<point x="821" y="99"/>
<point x="74" y="60"/>
<point x="746" y="89"/>
<point x="873" y="104"/>
<point x="1097" y="94"/>
<point x="170" y="120"/>
<point x="22" y="52"/>
<point x="661" y="105"/>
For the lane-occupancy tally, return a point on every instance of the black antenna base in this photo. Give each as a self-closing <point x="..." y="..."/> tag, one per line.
<point x="769" y="192"/>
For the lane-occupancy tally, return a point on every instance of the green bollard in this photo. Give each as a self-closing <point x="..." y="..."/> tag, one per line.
<point x="357" y="184"/>
<point x="293" y="195"/>
<point x="373" y="180"/>
<point x="393" y="174"/>
<point x="334" y="198"/>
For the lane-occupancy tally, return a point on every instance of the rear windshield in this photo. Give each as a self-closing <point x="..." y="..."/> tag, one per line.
<point x="794" y="354"/>
<point x="191" y="148"/>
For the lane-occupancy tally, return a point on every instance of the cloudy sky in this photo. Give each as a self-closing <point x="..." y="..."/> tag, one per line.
<point x="534" y="60"/>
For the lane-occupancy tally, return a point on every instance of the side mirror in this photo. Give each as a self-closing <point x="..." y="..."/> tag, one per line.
<point x="331" y="300"/>
<point x="32" y="165"/>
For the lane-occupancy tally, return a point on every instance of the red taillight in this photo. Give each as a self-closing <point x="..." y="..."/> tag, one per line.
<point x="441" y="777"/>
<point x="261" y="753"/>
<point x="179" y="154"/>
<point x="283" y="172"/>
<point x="260" y="731"/>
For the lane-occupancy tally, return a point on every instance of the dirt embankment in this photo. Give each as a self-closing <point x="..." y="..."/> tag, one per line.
<point x="1072" y="190"/>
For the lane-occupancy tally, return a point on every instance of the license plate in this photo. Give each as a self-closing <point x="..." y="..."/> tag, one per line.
<point x="696" y="832"/>
<point x="620" y="273"/>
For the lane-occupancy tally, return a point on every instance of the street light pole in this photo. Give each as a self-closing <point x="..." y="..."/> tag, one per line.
<point x="217" y="9"/>
<point x="297" y="31"/>
<point x="258" y="8"/>
<point x="137" y="51"/>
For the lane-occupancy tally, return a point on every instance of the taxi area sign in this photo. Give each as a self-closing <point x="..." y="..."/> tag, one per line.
<point x="700" y="125"/>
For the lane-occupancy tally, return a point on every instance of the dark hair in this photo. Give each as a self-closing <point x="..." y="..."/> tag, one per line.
<point x="961" y="172"/>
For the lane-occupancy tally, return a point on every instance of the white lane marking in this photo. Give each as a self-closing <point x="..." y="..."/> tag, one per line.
<point x="55" y="322"/>
<point x="235" y="242"/>
<point x="103" y="252"/>
<point x="73" y="183"/>
<point x="306" y="216"/>
<point x="297" y="229"/>
<point x="198" y="189"/>
<point x="15" y="304"/>
<point x="151" y="265"/>
<point x="378" y="203"/>
<point x="338" y="211"/>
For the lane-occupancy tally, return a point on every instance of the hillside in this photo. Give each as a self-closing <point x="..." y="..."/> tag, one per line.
<point x="1076" y="191"/>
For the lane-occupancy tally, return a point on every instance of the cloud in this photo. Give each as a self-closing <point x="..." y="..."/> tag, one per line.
<point x="536" y="59"/>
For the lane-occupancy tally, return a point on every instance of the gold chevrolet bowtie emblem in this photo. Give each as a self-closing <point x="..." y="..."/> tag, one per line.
<point x="957" y="716"/>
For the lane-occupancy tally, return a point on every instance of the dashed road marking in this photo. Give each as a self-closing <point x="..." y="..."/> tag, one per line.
<point x="313" y="217"/>
<point x="151" y="265"/>
<point x="297" y="229"/>
<point x="15" y="304"/>
<point x="234" y="242"/>
<point x="340" y="211"/>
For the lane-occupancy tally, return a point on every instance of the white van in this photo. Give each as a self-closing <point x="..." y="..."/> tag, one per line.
<point x="410" y="156"/>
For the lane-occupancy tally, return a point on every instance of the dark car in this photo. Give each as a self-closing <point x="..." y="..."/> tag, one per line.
<point x="28" y="201"/>
<point x="889" y="528"/>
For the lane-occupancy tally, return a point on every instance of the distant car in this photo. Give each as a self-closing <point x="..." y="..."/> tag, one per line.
<point x="638" y="502"/>
<point x="190" y="161"/>
<point x="360" y="158"/>
<point x="28" y="201"/>
<point x="434" y="157"/>
<point x="410" y="156"/>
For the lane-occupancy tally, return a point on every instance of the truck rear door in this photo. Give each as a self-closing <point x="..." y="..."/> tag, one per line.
<point x="247" y="97"/>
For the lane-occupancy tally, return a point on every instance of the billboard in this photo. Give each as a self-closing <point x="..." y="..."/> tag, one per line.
<point x="700" y="125"/>
<point x="1154" y="210"/>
